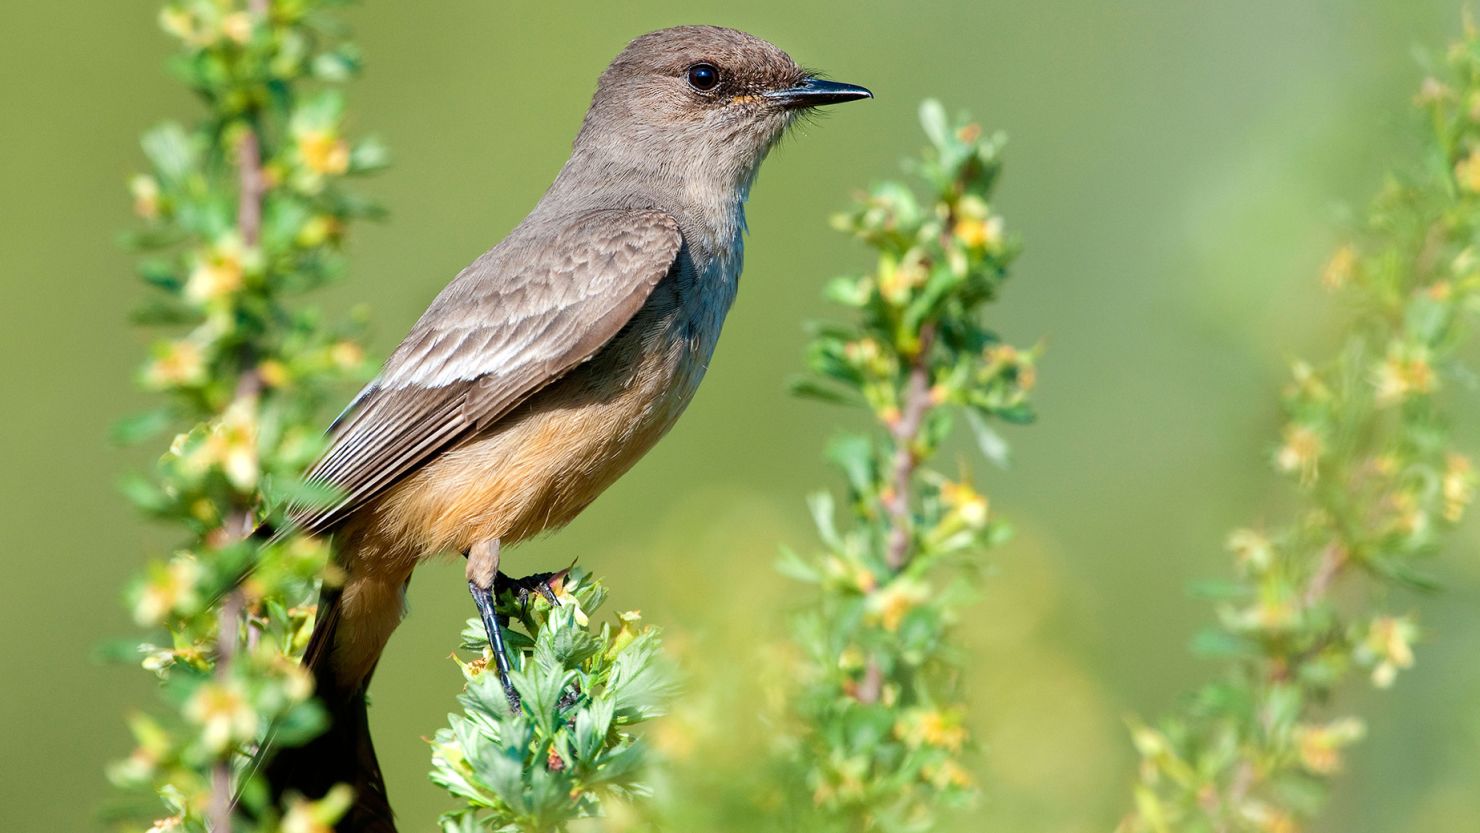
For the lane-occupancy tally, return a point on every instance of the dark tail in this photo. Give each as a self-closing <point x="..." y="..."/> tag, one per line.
<point x="343" y="754"/>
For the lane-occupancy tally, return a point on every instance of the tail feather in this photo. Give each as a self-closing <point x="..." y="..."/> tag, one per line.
<point x="343" y="753"/>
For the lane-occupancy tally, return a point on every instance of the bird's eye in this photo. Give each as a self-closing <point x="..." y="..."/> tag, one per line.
<point x="703" y="77"/>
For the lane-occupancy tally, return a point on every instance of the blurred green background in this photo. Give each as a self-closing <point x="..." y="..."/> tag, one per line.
<point x="1177" y="170"/>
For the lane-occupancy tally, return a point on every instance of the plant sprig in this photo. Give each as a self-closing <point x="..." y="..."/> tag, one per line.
<point x="880" y="726"/>
<point x="584" y="687"/>
<point x="1378" y="485"/>
<point x="241" y="213"/>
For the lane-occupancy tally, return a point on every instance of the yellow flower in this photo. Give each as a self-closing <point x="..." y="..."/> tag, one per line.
<point x="889" y="605"/>
<point x="1432" y="91"/>
<point x="1403" y="373"/>
<point x="1467" y="172"/>
<point x="1267" y="819"/>
<point x="237" y="27"/>
<point x="965" y="503"/>
<point x="166" y="825"/>
<point x="1339" y="268"/>
<point x="305" y="816"/>
<point x="1253" y="550"/>
<point x="319" y="230"/>
<point x="223" y="713"/>
<point x="897" y="280"/>
<point x="185" y="26"/>
<point x="1458" y="486"/>
<point x="346" y="355"/>
<point x="322" y="151"/>
<point x="1411" y="519"/>
<point x="233" y="445"/>
<point x="297" y="681"/>
<point x="851" y="658"/>
<point x="864" y="351"/>
<point x="218" y="271"/>
<point x="983" y="234"/>
<point x="169" y="588"/>
<point x="1319" y="746"/>
<point x="1270" y="614"/>
<point x="972" y="207"/>
<point x="180" y="363"/>
<point x="1301" y="452"/>
<point x="145" y="191"/>
<point x="274" y="373"/>
<point x="1306" y="383"/>
<point x="947" y="774"/>
<point x="932" y="727"/>
<point x="1390" y="642"/>
<point x="998" y="356"/>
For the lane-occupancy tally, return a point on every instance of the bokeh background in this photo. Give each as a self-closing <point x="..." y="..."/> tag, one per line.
<point x="1177" y="170"/>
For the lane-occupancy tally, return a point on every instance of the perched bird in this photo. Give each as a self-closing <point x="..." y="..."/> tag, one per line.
<point x="549" y="366"/>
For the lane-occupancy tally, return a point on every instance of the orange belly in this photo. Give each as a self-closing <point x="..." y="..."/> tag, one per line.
<point x="534" y="470"/>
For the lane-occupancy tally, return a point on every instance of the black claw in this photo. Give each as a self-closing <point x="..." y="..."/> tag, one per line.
<point x="522" y="588"/>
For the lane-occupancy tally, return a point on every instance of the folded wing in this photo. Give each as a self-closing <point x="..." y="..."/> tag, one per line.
<point x="517" y="319"/>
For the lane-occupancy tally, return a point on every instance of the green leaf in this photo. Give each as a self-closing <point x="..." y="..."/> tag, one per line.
<point x="172" y="152"/>
<point x="935" y="123"/>
<point x="856" y="456"/>
<point x="808" y="387"/>
<point x="1215" y="643"/>
<point x="139" y="427"/>
<point x="988" y="441"/>
<point x="640" y="685"/>
<point x="823" y="517"/>
<point x="792" y="565"/>
<point x="369" y="155"/>
<point x="145" y="494"/>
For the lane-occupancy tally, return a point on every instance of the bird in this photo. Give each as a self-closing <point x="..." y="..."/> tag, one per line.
<point x="546" y="368"/>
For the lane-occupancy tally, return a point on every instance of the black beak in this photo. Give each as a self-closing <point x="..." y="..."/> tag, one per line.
<point x="815" y="92"/>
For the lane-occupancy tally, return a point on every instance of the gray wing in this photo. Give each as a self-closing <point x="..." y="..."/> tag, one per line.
<point x="522" y="315"/>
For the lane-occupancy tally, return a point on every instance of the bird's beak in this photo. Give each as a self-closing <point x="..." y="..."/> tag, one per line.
<point x="815" y="92"/>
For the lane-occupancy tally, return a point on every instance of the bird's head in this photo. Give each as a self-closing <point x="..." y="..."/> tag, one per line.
<point x="702" y="98"/>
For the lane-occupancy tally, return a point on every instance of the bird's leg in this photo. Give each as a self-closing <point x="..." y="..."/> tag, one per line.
<point x="482" y="573"/>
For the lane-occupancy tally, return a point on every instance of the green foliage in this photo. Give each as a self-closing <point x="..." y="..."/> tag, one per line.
<point x="878" y="721"/>
<point x="241" y="213"/>
<point x="1366" y="446"/>
<point x="583" y="689"/>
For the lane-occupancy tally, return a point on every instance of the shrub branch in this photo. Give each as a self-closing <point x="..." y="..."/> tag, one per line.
<point x="877" y="725"/>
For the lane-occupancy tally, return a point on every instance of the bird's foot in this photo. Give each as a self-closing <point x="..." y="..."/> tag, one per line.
<point x="547" y="585"/>
<point x="494" y="607"/>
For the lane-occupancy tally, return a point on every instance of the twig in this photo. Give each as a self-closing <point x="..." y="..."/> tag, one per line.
<point x="905" y="431"/>
<point x="872" y="685"/>
<point x="238" y="526"/>
<point x="221" y="789"/>
<point x="1333" y="559"/>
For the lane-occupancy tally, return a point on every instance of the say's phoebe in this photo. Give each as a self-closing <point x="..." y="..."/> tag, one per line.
<point x="548" y="366"/>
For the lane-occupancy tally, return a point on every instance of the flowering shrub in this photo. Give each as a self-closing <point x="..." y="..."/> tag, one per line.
<point x="1377" y="485"/>
<point x="878" y="724"/>
<point x="583" y="687"/>
<point x="240" y="215"/>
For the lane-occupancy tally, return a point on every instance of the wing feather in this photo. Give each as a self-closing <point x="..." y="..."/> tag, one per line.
<point x="522" y="315"/>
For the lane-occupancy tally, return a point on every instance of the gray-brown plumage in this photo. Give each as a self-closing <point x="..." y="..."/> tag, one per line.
<point x="550" y="365"/>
